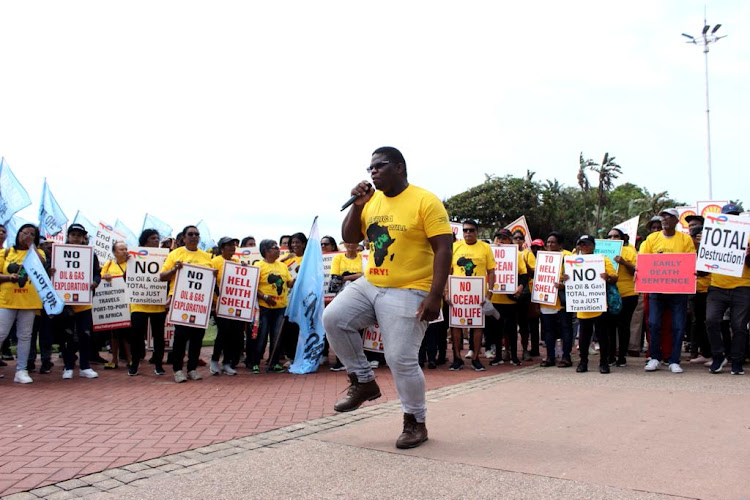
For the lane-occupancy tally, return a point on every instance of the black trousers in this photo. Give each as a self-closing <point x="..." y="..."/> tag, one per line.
<point x="183" y="334"/>
<point x="587" y="329"/>
<point x="618" y="328"/>
<point x="138" y="331"/>
<point x="506" y="328"/>
<point x="229" y="336"/>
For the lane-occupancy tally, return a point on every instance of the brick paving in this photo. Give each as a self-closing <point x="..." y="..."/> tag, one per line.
<point x="54" y="431"/>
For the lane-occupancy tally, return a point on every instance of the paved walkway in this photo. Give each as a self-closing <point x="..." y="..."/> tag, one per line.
<point x="525" y="433"/>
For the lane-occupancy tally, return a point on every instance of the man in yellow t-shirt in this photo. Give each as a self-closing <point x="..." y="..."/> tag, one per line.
<point x="626" y="286"/>
<point x="408" y="264"/>
<point x="668" y="240"/>
<point x="471" y="257"/>
<point x="729" y="292"/>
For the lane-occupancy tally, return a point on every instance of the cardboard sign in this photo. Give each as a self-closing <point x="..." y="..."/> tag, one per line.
<point x="710" y="207"/>
<point x="585" y="289"/>
<point x="467" y="294"/>
<point x="630" y="227"/>
<point x="168" y="337"/>
<point x="193" y="293"/>
<point x="724" y="245"/>
<point x="372" y="340"/>
<point x="248" y="255"/>
<point x="610" y="248"/>
<point x="238" y="292"/>
<point x="458" y="230"/>
<point x="110" y="307"/>
<point x="74" y="272"/>
<point x="142" y="276"/>
<point x="665" y="273"/>
<point x="506" y="269"/>
<point x="327" y="261"/>
<point x="105" y="236"/>
<point x="520" y="224"/>
<point x="682" y="224"/>
<point x="546" y="277"/>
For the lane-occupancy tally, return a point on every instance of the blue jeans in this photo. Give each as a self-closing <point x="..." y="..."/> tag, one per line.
<point x="269" y="322"/>
<point x="24" y="319"/>
<point x="658" y="303"/>
<point x="558" y="325"/>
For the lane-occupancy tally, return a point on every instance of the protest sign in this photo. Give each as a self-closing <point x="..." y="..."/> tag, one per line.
<point x="724" y="245"/>
<point x="585" y="289"/>
<point x="710" y="207"/>
<point x="458" y="230"/>
<point x="248" y="255"/>
<point x="466" y="296"/>
<point x="110" y="306"/>
<point x="546" y="277"/>
<point x="74" y="272"/>
<point x="630" y="227"/>
<point x="372" y="340"/>
<point x="665" y="273"/>
<point x="684" y="212"/>
<point x="105" y="236"/>
<point x="327" y="261"/>
<point x="506" y="269"/>
<point x="610" y="248"/>
<point x="193" y="293"/>
<point x="520" y="224"/>
<point x="238" y="292"/>
<point x="37" y="274"/>
<point x="142" y="276"/>
<point x="168" y="336"/>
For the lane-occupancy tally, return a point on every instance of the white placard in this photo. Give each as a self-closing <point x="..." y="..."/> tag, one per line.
<point x="372" y="340"/>
<point x="110" y="307"/>
<point x="238" y="292"/>
<point x="585" y="289"/>
<point x="142" y="276"/>
<point x="327" y="261"/>
<point x="710" y="207"/>
<point x="74" y="272"/>
<point x="193" y="293"/>
<point x="105" y="236"/>
<point x="546" y="277"/>
<point x="458" y="230"/>
<point x="168" y="337"/>
<point x="506" y="269"/>
<point x="723" y="245"/>
<point x="248" y="255"/>
<point x="466" y="296"/>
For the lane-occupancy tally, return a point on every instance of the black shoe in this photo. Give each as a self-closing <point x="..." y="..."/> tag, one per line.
<point x="477" y="365"/>
<point x="457" y="365"/>
<point x="440" y="361"/>
<point x="98" y="360"/>
<point x="497" y="360"/>
<point x="415" y="433"/>
<point x="431" y="365"/>
<point x="158" y="370"/>
<point x="46" y="367"/>
<point x="151" y="361"/>
<point x="339" y="366"/>
<point x="358" y="393"/>
<point x="718" y="364"/>
<point x="737" y="368"/>
<point x="31" y="367"/>
<point x="582" y="368"/>
<point x="621" y="362"/>
<point x="515" y="362"/>
<point x="604" y="369"/>
<point x="3" y="363"/>
<point x="8" y="357"/>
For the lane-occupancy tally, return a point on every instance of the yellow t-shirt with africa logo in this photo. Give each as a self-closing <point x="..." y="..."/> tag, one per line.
<point x="398" y="229"/>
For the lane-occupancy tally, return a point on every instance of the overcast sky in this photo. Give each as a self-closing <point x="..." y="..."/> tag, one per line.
<point x="256" y="116"/>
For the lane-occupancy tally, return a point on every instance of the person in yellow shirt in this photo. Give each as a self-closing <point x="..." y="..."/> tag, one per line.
<point x="506" y="328"/>
<point x="229" y="332"/>
<point x="557" y="323"/>
<point x="19" y="300"/>
<point x="273" y="294"/>
<point x="668" y="240"/>
<point x="732" y="293"/>
<point x="120" y="337"/>
<point x="187" y="254"/>
<point x="593" y="322"/>
<point x="619" y="334"/>
<point x="471" y="257"/>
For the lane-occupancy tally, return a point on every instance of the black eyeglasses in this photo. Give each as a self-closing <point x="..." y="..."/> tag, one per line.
<point x="192" y="234"/>
<point x="469" y="230"/>
<point x="377" y="166"/>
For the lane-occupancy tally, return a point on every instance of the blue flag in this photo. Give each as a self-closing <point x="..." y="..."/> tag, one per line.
<point x="51" y="217"/>
<point x="130" y="238"/>
<point x="11" y="229"/>
<point x="151" y="222"/>
<point x="206" y="243"/>
<point x="90" y="226"/>
<point x="13" y="197"/>
<point x="52" y="302"/>
<point x="306" y="307"/>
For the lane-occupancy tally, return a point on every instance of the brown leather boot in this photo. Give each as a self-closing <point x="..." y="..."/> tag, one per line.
<point x="415" y="433"/>
<point x="357" y="394"/>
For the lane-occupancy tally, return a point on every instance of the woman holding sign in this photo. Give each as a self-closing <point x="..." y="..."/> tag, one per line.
<point x="19" y="300"/>
<point x="187" y="254"/>
<point x="229" y="332"/>
<point x="121" y="336"/>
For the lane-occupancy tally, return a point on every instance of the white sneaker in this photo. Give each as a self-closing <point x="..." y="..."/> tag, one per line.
<point x="469" y="355"/>
<point x="214" y="368"/>
<point x="229" y="370"/>
<point x="87" y="373"/>
<point x="708" y="363"/>
<point x="675" y="368"/>
<point x="700" y="359"/>
<point x="490" y="354"/>
<point x="374" y="364"/>
<point x="67" y="374"/>
<point x="652" y="365"/>
<point x="22" y="377"/>
<point x="179" y="377"/>
<point x="194" y="375"/>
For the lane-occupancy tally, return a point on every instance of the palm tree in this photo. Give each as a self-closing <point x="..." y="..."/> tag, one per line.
<point x="608" y="171"/>
<point x="583" y="183"/>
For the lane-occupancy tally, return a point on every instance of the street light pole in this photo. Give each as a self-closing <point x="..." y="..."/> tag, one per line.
<point x="706" y="38"/>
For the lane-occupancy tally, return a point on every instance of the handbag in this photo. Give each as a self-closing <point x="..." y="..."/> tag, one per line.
<point x="614" y="300"/>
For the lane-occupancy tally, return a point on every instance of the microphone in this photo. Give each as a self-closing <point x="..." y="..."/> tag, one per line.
<point x="352" y="200"/>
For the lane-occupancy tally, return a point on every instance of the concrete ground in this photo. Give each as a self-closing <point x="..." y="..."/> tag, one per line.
<point x="529" y="433"/>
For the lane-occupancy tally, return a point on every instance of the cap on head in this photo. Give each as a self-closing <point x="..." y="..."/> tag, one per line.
<point x="77" y="227"/>
<point x="226" y="240"/>
<point x="670" y="211"/>
<point x="537" y="243"/>
<point x="731" y="209"/>
<point x="691" y="218"/>
<point x="587" y="239"/>
<point x="503" y="233"/>
<point x="655" y="218"/>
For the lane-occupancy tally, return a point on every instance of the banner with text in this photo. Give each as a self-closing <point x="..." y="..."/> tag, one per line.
<point x="467" y="294"/>
<point x="585" y="289"/>
<point x="546" y="277"/>
<point x="105" y="236"/>
<point x="610" y="248"/>
<point x="458" y="230"/>
<point x="168" y="336"/>
<point x="238" y="292"/>
<point x="193" y="293"/>
<point x="110" y="306"/>
<point x="684" y="212"/>
<point x="710" y="207"/>
<point x="723" y="246"/>
<point x="248" y="255"/>
<point x="520" y="224"/>
<point x="142" y="276"/>
<point x="506" y="269"/>
<point x="327" y="261"/>
<point x="74" y="272"/>
<point x="665" y="273"/>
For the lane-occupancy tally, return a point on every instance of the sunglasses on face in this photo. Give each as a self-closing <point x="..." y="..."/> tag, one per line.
<point x="469" y="230"/>
<point x="377" y="166"/>
<point x="192" y="234"/>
